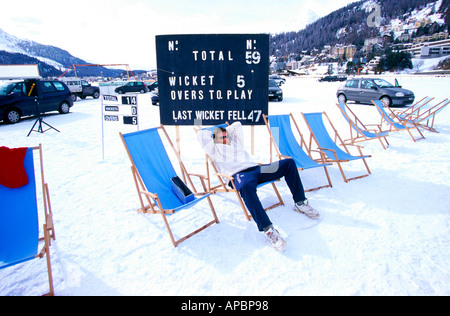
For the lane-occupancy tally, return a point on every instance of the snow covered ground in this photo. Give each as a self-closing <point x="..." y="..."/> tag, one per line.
<point x="387" y="234"/>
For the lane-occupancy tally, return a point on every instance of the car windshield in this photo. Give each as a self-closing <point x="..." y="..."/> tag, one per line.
<point x="383" y="83"/>
<point x="6" y="87"/>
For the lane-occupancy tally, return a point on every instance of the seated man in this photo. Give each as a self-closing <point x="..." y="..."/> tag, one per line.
<point x="226" y="149"/>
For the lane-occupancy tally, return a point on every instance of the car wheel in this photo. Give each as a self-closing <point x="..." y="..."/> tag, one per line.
<point x="386" y="100"/>
<point x="119" y="91"/>
<point x="12" y="116"/>
<point x="142" y="91"/>
<point x="342" y="98"/>
<point x="74" y="97"/>
<point x="96" y="95"/>
<point x="64" y="108"/>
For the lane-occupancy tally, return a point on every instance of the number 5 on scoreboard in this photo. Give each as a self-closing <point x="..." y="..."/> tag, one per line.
<point x="240" y="81"/>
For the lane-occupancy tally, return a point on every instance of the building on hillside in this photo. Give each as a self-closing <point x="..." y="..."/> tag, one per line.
<point x="425" y="49"/>
<point x="428" y="38"/>
<point x="369" y="43"/>
<point x="423" y="22"/>
<point x="343" y="51"/>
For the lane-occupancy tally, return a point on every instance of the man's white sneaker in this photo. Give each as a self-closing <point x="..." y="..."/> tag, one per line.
<point x="305" y="208"/>
<point x="275" y="239"/>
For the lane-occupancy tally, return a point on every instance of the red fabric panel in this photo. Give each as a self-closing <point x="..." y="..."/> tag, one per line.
<point x="12" y="171"/>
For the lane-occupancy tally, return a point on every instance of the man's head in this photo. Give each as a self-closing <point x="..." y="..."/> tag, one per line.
<point x="221" y="136"/>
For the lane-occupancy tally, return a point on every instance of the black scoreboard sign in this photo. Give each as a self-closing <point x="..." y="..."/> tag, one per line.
<point x="210" y="79"/>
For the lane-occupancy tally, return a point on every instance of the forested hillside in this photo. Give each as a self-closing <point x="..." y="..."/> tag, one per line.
<point x="45" y="70"/>
<point x="346" y="26"/>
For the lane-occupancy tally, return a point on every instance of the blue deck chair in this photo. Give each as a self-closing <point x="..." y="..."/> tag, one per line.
<point x="328" y="146"/>
<point x="223" y="187"/>
<point x="19" y="221"/>
<point x="286" y="145"/>
<point x="153" y="172"/>
<point x="394" y="122"/>
<point x="362" y="132"/>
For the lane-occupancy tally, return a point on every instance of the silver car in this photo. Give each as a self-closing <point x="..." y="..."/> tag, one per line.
<point x="364" y="90"/>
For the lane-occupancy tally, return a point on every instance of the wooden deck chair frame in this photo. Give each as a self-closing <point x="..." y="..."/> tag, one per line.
<point x="422" y="111"/>
<point x="334" y="157"/>
<point x="394" y="122"/>
<point x="414" y="109"/>
<point x="303" y="146"/>
<point x="223" y="187"/>
<point x="48" y="229"/>
<point x="153" y="202"/>
<point x="362" y="132"/>
<point x="426" y="119"/>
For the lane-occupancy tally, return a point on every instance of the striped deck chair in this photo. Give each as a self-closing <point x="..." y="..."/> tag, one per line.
<point x="287" y="146"/>
<point x="153" y="174"/>
<point x="394" y="122"/>
<point x="328" y="146"/>
<point x="223" y="187"/>
<point x="19" y="218"/>
<point x="362" y="132"/>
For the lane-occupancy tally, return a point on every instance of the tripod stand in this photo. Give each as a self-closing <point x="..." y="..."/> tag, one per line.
<point x="39" y="121"/>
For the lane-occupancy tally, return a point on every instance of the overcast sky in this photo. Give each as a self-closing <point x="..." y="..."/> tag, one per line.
<point x="123" y="31"/>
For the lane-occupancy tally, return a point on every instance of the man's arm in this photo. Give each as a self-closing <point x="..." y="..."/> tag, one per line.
<point x="235" y="132"/>
<point x="206" y="140"/>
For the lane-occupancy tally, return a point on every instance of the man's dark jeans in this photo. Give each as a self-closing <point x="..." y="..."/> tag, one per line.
<point x="247" y="181"/>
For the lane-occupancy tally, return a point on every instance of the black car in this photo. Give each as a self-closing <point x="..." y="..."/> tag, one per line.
<point x="275" y="92"/>
<point x="27" y="97"/>
<point x="333" y="78"/>
<point x="152" y="86"/>
<point x="155" y="97"/>
<point x="278" y="79"/>
<point x="134" y="86"/>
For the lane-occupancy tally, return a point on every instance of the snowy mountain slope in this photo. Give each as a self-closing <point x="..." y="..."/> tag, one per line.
<point x="12" y="44"/>
<point x="52" y="56"/>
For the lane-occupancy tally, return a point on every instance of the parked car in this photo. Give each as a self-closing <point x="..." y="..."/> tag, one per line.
<point x="81" y="88"/>
<point x="278" y="79"/>
<point x="275" y="92"/>
<point x="152" y="86"/>
<point x="333" y="78"/>
<point x="155" y="97"/>
<point x="364" y="90"/>
<point x="134" y="86"/>
<point x="26" y="97"/>
<point x="89" y="91"/>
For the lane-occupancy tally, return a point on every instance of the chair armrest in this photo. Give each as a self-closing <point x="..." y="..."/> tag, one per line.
<point x="201" y="194"/>
<point x="224" y="176"/>
<point x="153" y="196"/>
<point x="198" y="175"/>
<point x="322" y="149"/>
<point x="355" y="145"/>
